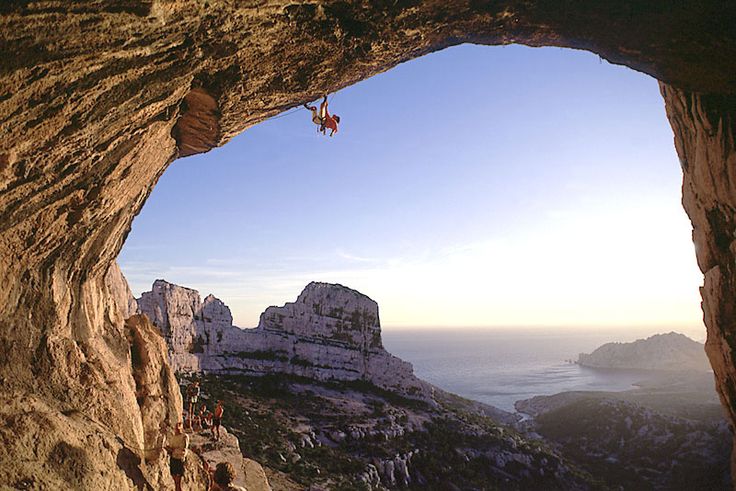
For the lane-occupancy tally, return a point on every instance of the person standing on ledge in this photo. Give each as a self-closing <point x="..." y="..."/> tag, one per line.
<point x="217" y="420"/>
<point x="192" y="398"/>
<point x="178" y="446"/>
<point x="323" y="118"/>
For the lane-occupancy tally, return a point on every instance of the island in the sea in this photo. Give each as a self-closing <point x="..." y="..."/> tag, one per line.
<point x="671" y="351"/>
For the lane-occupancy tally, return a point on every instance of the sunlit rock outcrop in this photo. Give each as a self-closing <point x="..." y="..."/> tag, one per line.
<point x="249" y="473"/>
<point x="97" y="99"/>
<point x="156" y="389"/>
<point x="67" y="428"/>
<point x="329" y="333"/>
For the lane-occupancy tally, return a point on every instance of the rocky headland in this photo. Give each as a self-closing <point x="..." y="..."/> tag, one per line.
<point x="329" y="333"/>
<point x="671" y="351"/>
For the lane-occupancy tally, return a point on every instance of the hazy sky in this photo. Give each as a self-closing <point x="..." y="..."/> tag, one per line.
<point x="477" y="186"/>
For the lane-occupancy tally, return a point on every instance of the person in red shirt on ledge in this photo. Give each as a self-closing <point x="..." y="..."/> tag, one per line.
<point x="323" y="118"/>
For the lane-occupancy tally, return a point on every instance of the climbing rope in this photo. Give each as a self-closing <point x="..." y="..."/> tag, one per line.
<point x="287" y="113"/>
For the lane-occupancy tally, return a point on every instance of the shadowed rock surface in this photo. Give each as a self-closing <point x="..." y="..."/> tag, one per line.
<point x="668" y="432"/>
<point x="97" y="99"/>
<point x="635" y="447"/>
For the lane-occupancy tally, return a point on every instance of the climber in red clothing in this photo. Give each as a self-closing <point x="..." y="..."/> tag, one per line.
<point x="323" y="118"/>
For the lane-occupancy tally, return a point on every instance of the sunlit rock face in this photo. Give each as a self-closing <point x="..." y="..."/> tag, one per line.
<point x="156" y="389"/>
<point x="90" y="416"/>
<point x="189" y="325"/>
<point x="96" y="99"/>
<point x="330" y="333"/>
<point x="705" y="132"/>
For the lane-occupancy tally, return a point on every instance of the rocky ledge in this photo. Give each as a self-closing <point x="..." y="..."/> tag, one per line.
<point x="330" y="332"/>
<point x="672" y="351"/>
<point x="250" y="474"/>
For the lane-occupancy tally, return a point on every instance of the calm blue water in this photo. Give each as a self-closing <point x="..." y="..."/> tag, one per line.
<point x="501" y="366"/>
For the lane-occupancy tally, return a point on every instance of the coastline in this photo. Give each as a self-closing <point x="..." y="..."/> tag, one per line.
<point x="500" y="367"/>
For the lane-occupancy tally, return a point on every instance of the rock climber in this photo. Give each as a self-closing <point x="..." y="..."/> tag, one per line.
<point x="192" y="398"/>
<point x="222" y="478"/>
<point x="217" y="420"/>
<point x="323" y="118"/>
<point x="178" y="446"/>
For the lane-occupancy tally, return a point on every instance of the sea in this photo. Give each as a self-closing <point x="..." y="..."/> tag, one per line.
<point x="499" y="366"/>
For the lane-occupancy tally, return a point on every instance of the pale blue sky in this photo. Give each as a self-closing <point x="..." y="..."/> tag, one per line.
<point x="476" y="186"/>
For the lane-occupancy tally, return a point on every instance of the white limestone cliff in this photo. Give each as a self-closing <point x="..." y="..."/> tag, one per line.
<point x="671" y="351"/>
<point x="329" y="333"/>
<point x="120" y="292"/>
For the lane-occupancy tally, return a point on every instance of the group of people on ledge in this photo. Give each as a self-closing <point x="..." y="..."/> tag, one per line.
<point x="202" y="419"/>
<point x="222" y="476"/>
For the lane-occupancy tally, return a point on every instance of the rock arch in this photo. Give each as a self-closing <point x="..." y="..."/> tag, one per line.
<point x="97" y="99"/>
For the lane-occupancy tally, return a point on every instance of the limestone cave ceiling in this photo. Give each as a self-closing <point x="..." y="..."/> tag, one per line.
<point x="92" y="91"/>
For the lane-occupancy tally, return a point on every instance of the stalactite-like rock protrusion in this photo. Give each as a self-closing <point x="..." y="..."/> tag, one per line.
<point x="98" y="98"/>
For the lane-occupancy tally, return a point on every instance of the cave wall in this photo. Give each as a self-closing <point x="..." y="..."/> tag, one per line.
<point x="98" y="98"/>
<point x="705" y="131"/>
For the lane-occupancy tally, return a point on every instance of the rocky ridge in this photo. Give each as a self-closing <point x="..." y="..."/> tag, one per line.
<point x="672" y="351"/>
<point x="329" y="333"/>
